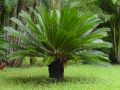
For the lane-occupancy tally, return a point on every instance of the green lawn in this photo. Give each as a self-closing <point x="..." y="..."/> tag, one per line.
<point x="78" y="77"/>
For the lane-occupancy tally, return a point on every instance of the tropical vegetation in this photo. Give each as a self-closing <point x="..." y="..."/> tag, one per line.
<point x="57" y="33"/>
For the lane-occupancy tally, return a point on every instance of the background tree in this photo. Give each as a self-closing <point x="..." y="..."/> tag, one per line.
<point x="112" y="10"/>
<point x="10" y="8"/>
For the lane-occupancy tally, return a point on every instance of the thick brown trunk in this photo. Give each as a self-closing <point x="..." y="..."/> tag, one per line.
<point x="56" y="70"/>
<point x="32" y="60"/>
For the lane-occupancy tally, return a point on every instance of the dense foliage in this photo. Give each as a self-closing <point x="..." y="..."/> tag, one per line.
<point x="59" y="35"/>
<point x="58" y="31"/>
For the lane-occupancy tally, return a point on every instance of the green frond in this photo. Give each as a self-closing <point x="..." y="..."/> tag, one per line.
<point x="59" y="34"/>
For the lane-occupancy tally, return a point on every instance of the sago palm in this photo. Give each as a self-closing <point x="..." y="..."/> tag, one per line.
<point x="59" y="36"/>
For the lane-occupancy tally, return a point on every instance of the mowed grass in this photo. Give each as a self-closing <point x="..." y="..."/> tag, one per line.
<point x="77" y="77"/>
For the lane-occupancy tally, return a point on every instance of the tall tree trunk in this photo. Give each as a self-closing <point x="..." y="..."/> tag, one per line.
<point x="115" y="34"/>
<point x="20" y="6"/>
<point x="56" y="70"/>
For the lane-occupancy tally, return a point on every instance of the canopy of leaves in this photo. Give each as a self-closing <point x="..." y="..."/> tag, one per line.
<point x="61" y="34"/>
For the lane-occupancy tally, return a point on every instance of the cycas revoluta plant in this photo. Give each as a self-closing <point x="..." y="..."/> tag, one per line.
<point x="59" y="36"/>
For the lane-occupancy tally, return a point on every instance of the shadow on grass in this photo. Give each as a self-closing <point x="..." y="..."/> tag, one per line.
<point x="81" y="79"/>
<point x="37" y="80"/>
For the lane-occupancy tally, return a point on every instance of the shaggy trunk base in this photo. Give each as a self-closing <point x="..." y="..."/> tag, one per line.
<point x="32" y="60"/>
<point x="56" y="70"/>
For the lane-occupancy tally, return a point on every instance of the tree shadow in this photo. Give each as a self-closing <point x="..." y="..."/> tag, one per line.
<point x="26" y="80"/>
<point x="82" y="79"/>
<point x="42" y="80"/>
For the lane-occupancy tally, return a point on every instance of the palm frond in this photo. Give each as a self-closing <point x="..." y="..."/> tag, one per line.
<point x="59" y="33"/>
